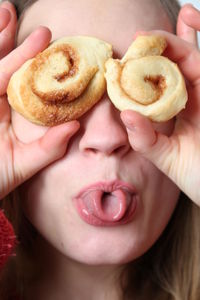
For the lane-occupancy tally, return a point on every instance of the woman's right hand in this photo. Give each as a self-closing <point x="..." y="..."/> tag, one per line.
<point x="19" y="161"/>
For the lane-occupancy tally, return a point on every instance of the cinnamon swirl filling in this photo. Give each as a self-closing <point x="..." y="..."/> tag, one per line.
<point x="61" y="83"/>
<point x="145" y="81"/>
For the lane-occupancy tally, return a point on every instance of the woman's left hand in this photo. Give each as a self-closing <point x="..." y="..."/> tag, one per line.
<point x="178" y="156"/>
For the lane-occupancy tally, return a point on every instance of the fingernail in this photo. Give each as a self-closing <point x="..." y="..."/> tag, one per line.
<point x="128" y="122"/>
<point x="5" y="10"/>
<point x="75" y="126"/>
<point x="130" y="126"/>
<point x="189" y="4"/>
<point x="139" y="32"/>
<point x="4" y="4"/>
<point x="75" y="123"/>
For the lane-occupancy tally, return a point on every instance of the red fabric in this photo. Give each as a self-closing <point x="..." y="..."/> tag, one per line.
<point x="7" y="239"/>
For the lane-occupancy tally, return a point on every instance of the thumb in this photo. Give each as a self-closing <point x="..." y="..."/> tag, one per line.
<point x="186" y="24"/>
<point x="34" y="156"/>
<point x="156" y="147"/>
<point x="7" y="35"/>
<point x="4" y="18"/>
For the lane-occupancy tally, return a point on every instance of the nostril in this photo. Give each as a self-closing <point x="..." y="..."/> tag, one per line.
<point x="117" y="150"/>
<point x="122" y="150"/>
<point x="90" y="151"/>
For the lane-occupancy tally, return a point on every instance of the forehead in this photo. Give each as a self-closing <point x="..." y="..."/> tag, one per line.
<point x="114" y="21"/>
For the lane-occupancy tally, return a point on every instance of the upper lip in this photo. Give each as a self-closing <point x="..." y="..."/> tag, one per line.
<point x="108" y="187"/>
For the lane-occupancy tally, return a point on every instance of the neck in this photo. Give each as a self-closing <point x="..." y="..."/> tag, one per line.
<point x="62" y="278"/>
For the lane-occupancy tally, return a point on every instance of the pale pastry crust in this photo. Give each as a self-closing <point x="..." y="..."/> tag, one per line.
<point x="145" y="81"/>
<point x="61" y="83"/>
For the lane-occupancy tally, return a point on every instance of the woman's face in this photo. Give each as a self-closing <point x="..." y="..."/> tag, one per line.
<point x="99" y="168"/>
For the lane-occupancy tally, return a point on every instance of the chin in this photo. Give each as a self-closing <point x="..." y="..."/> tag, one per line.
<point x="100" y="259"/>
<point x="103" y="252"/>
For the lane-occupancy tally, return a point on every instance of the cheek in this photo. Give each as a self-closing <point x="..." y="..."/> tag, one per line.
<point x="159" y="197"/>
<point x="26" y="131"/>
<point x="161" y="202"/>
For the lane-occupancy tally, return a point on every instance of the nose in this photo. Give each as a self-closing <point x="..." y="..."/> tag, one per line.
<point x="103" y="131"/>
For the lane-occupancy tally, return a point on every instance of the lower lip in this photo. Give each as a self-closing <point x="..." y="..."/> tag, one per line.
<point x="91" y="219"/>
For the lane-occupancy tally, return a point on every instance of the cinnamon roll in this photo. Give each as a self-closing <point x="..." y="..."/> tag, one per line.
<point x="145" y="81"/>
<point x="61" y="83"/>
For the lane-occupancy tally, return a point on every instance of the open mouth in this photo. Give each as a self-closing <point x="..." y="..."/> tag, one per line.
<point x="107" y="204"/>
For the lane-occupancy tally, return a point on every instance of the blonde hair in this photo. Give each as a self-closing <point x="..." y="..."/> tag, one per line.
<point x="168" y="271"/>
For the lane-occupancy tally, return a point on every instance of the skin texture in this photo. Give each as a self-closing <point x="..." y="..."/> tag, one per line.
<point x="100" y="151"/>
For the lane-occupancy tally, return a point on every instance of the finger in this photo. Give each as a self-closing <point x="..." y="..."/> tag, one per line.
<point x="45" y="150"/>
<point x="184" y="54"/>
<point x="187" y="24"/>
<point x="34" y="44"/>
<point x="4" y="18"/>
<point x="7" y="36"/>
<point x="138" y="126"/>
<point x="155" y="146"/>
<point x="191" y="16"/>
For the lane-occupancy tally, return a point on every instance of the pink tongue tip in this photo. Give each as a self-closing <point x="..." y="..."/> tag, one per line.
<point x="110" y="206"/>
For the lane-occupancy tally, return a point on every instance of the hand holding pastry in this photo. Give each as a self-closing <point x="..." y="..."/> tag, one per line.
<point x="20" y="161"/>
<point x="145" y="81"/>
<point x="61" y="83"/>
<point x="178" y="156"/>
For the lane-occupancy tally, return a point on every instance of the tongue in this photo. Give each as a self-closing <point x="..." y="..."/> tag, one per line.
<point x="108" y="206"/>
